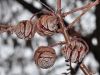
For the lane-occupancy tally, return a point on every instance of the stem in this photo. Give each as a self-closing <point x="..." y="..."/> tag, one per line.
<point x="66" y="36"/>
<point x="59" y="6"/>
<point x="84" y="11"/>
<point x="75" y="10"/>
<point x="65" y="33"/>
<point x="59" y="43"/>
<point x="5" y="28"/>
<point x="85" y="70"/>
<point x="81" y="8"/>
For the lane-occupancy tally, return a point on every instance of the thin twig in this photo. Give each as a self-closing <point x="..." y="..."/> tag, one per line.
<point x="66" y="36"/>
<point x="81" y="8"/>
<point x="85" y="70"/>
<point x="59" y="6"/>
<point x="59" y="43"/>
<point x="46" y="6"/>
<point x="75" y="10"/>
<point x="84" y="11"/>
<point x="5" y="28"/>
<point x="65" y="33"/>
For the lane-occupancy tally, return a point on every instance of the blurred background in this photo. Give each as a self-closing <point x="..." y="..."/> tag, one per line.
<point x="16" y="55"/>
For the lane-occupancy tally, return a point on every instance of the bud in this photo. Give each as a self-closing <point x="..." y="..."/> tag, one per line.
<point x="76" y="50"/>
<point x="47" y="25"/>
<point x="45" y="57"/>
<point x="24" y="29"/>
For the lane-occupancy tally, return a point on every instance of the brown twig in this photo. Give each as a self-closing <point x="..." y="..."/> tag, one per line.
<point x="85" y="70"/>
<point x="66" y="36"/>
<point x="59" y="43"/>
<point x="81" y="8"/>
<point x="59" y="6"/>
<point x="64" y="31"/>
<point x="5" y="28"/>
<point x="75" y="10"/>
<point x="84" y="11"/>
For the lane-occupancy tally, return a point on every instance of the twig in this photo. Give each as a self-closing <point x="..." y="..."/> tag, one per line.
<point x="81" y="8"/>
<point x="65" y="33"/>
<point x="6" y="28"/>
<point x="84" y="11"/>
<point x="75" y="10"/>
<point x="59" y="6"/>
<point x="85" y="70"/>
<point x="59" y="43"/>
<point x="66" y="36"/>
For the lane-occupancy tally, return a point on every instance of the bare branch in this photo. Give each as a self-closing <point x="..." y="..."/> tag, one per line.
<point x="81" y="8"/>
<point x="6" y="28"/>
<point x="85" y="70"/>
<point x="59" y="43"/>
<point x="84" y="11"/>
<point x="59" y="6"/>
<point x="75" y="10"/>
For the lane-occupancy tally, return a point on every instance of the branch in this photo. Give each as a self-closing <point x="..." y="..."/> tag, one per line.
<point x="6" y="28"/>
<point x="59" y="43"/>
<point x="75" y="10"/>
<point x="81" y="8"/>
<point x="44" y="3"/>
<point x="84" y="11"/>
<point x="59" y="6"/>
<point x="85" y="70"/>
